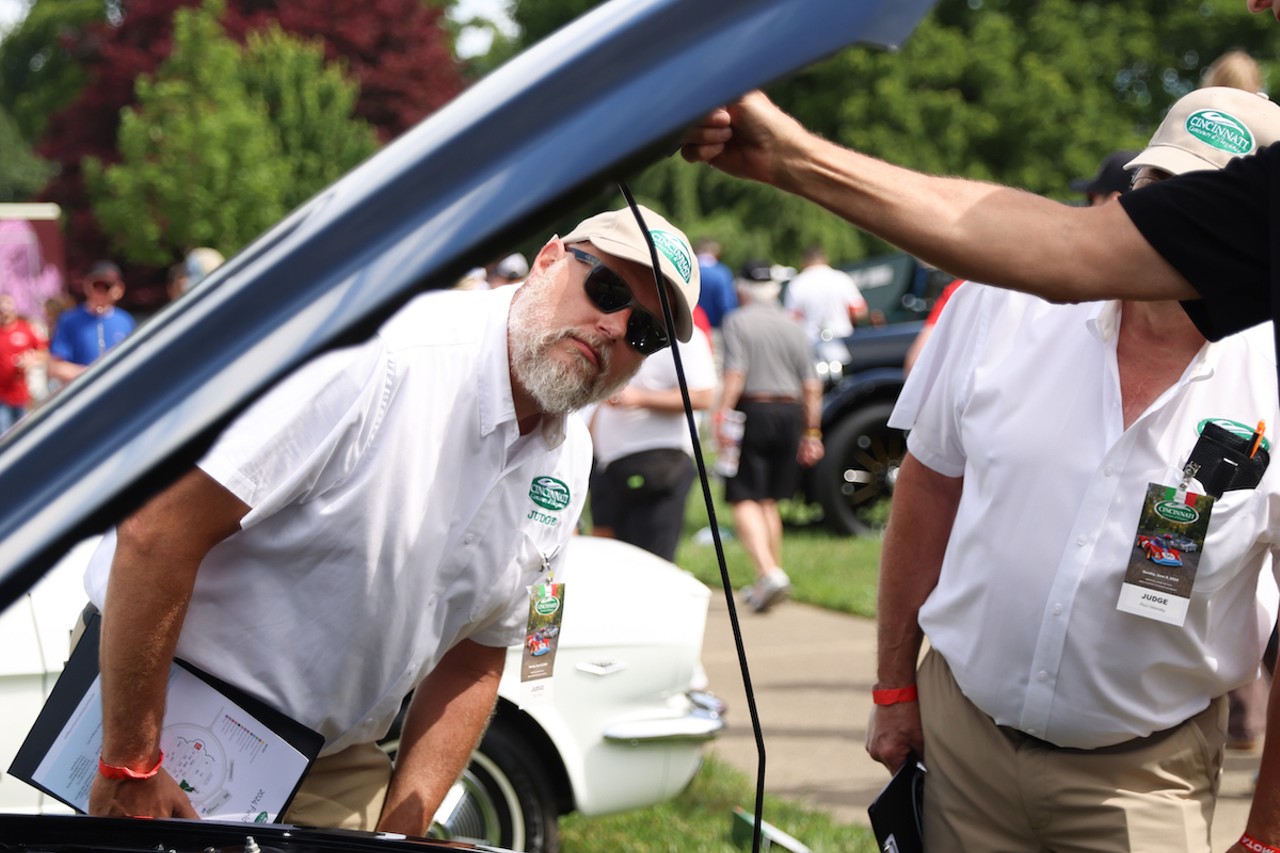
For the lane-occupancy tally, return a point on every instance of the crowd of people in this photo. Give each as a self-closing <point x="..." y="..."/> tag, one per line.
<point x="40" y="355"/>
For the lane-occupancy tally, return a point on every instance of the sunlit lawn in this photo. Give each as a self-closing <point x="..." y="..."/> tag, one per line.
<point x="701" y="819"/>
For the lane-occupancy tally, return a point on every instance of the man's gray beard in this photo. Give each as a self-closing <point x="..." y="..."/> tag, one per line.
<point x="557" y="386"/>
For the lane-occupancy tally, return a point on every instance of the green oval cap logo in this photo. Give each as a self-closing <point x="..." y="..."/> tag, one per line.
<point x="675" y="250"/>
<point x="1224" y="132"/>
<point x="547" y="605"/>
<point x="1235" y="428"/>
<point x="549" y="493"/>
<point x="1179" y="513"/>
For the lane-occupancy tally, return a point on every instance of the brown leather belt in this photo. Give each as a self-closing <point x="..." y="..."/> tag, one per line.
<point x="769" y="398"/>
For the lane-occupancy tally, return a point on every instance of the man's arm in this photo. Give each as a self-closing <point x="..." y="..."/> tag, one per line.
<point x="811" y="448"/>
<point x="1264" y="814"/>
<point x="158" y="551"/>
<point x="974" y="230"/>
<point x="62" y="370"/>
<point x="667" y="400"/>
<point x="924" y="508"/>
<point x="447" y="716"/>
<point x="730" y="392"/>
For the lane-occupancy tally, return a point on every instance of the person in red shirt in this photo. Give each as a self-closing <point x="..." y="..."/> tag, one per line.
<point x="20" y="347"/>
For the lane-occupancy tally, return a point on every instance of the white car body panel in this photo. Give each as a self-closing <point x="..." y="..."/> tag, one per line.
<point x="629" y="648"/>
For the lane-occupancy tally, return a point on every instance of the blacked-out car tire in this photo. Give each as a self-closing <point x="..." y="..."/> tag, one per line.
<point x="856" y="476"/>
<point x="507" y="797"/>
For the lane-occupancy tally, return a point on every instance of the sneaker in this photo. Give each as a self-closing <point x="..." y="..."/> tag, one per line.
<point x="769" y="590"/>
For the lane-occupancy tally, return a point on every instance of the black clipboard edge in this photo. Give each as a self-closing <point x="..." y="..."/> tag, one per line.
<point x="78" y="676"/>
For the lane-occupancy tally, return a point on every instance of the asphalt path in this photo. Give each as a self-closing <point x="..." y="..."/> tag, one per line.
<point x="812" y="672"/>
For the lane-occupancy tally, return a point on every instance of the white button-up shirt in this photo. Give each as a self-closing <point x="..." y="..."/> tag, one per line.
<point x="1022" y="399"/>
<point x="395" y="510"/>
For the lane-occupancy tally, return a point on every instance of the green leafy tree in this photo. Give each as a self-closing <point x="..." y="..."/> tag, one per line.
<point x="224" y="140"/>
<point x="22" y="173"/>
<point x="42" y="67"/>
<point x="200" y="162"/>
<point x="1028" y="94"/>
<point x="310" y="104"/>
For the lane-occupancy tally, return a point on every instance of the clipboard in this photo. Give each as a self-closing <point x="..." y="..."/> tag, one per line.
<point x="896" y="813"/>
<point x="238" y="758"/>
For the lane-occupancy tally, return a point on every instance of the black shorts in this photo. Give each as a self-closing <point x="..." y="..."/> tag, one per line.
<point x="641" y="497"/>
<point x="767" y="464"/>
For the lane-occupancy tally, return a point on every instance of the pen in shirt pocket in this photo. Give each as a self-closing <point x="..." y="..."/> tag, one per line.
<point x="1257" y="438"/>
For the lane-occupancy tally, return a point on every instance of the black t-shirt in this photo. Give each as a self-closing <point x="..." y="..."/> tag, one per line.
<point x="1221" y="231"/>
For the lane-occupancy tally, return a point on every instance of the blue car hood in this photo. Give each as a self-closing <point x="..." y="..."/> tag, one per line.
<point x="603" y="96"/>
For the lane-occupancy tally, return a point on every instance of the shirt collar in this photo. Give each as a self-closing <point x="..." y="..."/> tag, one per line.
<point x="1103" y="323"/>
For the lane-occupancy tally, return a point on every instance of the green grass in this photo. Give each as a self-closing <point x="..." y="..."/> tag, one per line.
<point x="838" y="573"/>
<point x="700" y="821"/>
<point x="827" y="571"/>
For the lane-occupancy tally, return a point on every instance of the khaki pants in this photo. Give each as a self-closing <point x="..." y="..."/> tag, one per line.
<point x="995" y="790"/>
<point x="344" y="790"/>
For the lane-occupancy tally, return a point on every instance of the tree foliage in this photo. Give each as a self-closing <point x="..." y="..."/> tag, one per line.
<point x="224" y="140"/>
<point x="1031" y="94"/>
<point x="22" y="173"/>
<point x="69" y="71"/>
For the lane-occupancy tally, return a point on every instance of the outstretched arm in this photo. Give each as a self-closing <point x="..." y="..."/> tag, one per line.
<point x="972" y="229"/>
<point x="158" y="552"/>
<point x="447" y="716"/>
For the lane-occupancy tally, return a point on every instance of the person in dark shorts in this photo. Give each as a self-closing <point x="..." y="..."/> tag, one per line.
<point x="769" y="377"/>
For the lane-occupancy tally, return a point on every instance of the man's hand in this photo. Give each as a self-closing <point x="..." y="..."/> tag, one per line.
<point x="810" y="452"/>
<point x="158" y="796"/>
<point x="893" y="732"/>
<point x="746" y="139"/>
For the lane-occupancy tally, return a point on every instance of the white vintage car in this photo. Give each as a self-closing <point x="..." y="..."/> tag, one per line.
<point x="623" y="728"/>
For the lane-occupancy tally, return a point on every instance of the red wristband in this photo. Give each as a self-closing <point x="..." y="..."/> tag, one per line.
<point x="1248" y="842"/>
<point x="894" y="696"/>
<point x="110" y="771"/>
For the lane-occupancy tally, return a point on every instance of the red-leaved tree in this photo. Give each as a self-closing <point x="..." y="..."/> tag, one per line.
<point x="398" y="51"/>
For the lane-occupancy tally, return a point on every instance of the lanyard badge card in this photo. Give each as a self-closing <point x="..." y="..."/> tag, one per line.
<point x="542" y="635"/>
<point x="1166" y="551"/>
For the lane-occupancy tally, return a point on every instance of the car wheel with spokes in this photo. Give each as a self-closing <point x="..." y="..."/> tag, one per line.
<point x="503" y="798"/>
<point x="859" y="470"/>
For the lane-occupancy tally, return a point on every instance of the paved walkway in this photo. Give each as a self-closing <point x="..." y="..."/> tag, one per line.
<point x="812" y="671"/>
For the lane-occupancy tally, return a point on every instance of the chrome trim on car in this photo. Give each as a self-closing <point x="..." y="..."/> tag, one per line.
<point x="703" y="722"/>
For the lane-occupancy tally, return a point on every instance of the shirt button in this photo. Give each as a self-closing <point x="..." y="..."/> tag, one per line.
<point x="1033" y="732"/>
<point x="1108" y="471"/>
<point x="471" y="537"/>
<point x="1082" y="540"/>
<point x="1057" y="610"/>
<point x="1042" y="676"/>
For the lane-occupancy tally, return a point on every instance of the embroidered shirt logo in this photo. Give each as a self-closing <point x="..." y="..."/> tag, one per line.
<point x="1236" y="428"/>
<point x="674" y="250"/>
<point x="549" y="493"/>
<point x="1221" y="131"/>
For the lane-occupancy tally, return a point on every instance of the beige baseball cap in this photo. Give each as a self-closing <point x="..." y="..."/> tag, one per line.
<point x="617" y="233"/>
<point x="1208" y="127"/>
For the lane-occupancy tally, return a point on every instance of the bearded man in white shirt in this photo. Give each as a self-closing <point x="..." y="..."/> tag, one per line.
<point x="373" y="525"/>
<point x="1074" y="693"/>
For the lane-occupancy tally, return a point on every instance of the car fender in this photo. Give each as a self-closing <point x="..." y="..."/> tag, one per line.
<point x="879" y="383"/>
<point x="628" y="650"/>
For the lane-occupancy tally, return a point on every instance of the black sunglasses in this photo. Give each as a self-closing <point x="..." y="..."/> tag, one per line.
<point x="608" y="292"/>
